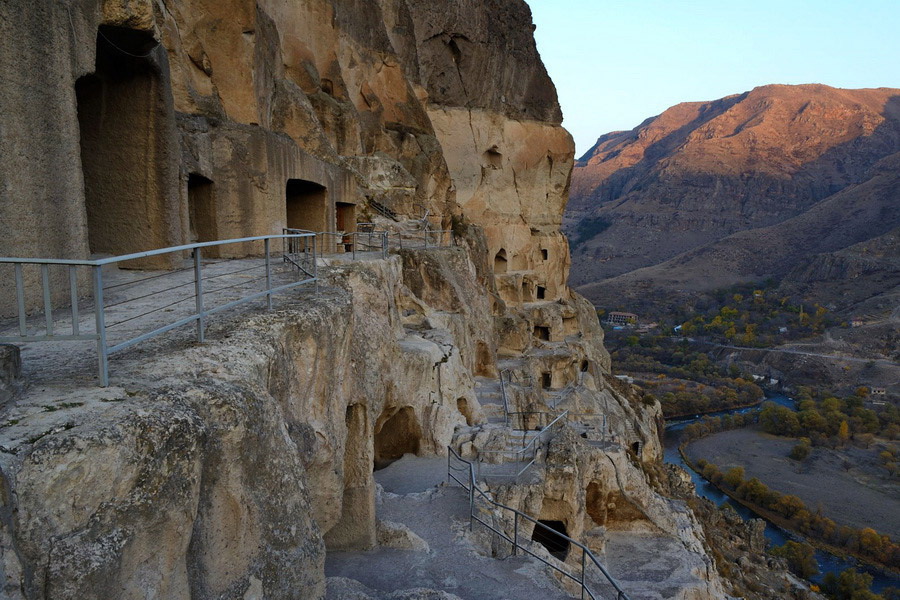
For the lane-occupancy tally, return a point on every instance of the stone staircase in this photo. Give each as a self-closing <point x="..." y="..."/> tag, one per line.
<point x="511" y="459"/>
<point x="490" y="396"/>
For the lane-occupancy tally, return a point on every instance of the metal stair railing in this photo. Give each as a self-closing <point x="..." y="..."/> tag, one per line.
<point x="383" y="210"/>
<point x="466" y="471"/>
<point x="532" y="449"/>
<point x="506" y="378"/>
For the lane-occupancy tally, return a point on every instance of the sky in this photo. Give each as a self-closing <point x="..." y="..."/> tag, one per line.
<point x="617" y="62"/>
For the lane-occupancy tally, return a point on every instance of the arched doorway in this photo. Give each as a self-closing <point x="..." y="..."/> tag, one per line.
<point x="500" y="262"/>
<point x="397" y="433"/>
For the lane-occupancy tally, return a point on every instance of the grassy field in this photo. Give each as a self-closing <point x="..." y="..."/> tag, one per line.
<point x="848" y="485"/>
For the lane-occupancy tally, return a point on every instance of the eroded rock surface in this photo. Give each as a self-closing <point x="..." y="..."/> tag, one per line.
<point x="231" y="469"/>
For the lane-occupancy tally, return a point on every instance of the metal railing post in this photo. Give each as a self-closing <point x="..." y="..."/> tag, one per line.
<point x="20" y="300"/>
<point x="100" y="318"/>
<point x="471" y="497"/>
<point x="73" y="298"/>
<point x="268" y="276"/>
<point x="583" y="555"/>
<point x="48" y="305"/>
<point x="315" y="264"/>
<point x="515" y="534"/>
<point x="353" y="241"/>
<point x="198" y="297"/>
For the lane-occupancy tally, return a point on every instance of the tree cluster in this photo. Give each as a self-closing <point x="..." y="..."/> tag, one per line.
<point x="686" y="382"/>
<point x="831" y="421"/>
<point x="710" y="425"/>
<point x="866" y="542"/>
<point x="755" y="317"/>
<point x="853" y="585"/>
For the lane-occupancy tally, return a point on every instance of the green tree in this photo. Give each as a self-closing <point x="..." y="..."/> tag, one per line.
<point x="734" y="477"/>
<point x="849" y="585"/>
<point x="800" y="558"/>
<point x="789" y="505"/>
<point x="831" y="404"/>
<point x="801" y="451"/>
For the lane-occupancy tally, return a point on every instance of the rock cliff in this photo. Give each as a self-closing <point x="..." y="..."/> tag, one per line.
<point x="229" y="469"/>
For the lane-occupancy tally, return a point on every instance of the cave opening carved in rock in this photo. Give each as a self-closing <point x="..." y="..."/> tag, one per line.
<point x="462" y="405"/>
<point x="549" y="537"/>
<point x="595" y="503"/>
<point x="201" y="210"/>
<point x="125" y="125"/>
<point x="307" y="205"/>
<point x="500" y="262"/>
<point x="397" y="432"/>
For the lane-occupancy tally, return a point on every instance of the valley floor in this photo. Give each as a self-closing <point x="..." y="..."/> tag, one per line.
<point x="859" y="496"/>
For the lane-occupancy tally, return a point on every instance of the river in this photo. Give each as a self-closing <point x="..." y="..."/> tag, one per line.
<point x="827" y="562"/>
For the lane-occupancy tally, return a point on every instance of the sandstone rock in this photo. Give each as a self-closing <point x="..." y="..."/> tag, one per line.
<point x="398" y="535"/>
<point x="11" y="380"/>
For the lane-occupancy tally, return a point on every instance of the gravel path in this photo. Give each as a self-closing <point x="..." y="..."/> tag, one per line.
<point x="439" y="516"/>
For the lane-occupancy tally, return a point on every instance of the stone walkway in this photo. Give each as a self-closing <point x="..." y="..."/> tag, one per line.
<point x="413" y="495"/>
<point x="138" y="302"/>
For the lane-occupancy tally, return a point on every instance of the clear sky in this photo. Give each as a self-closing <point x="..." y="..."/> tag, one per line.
<point x="617" y="62"/>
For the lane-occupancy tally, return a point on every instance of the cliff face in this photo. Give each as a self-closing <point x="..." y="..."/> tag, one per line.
<point x="227" y="470"/>
<point x="796" y="170"/>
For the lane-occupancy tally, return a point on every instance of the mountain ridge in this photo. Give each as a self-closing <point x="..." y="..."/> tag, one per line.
<point x="708" y="194"/>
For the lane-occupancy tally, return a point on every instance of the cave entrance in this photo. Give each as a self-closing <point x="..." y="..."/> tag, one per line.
<point x="345" y="218"/>
<point x="306" y="205"/>
<point x="123" y="119"/>
<point x="500" y="262"/>
<point x="546" y="380"/>
<point x="542" y="332"/>
<point x="201" y="210"/>
<point x="541" y="292"/>
<point x="462" y="405"/>
<point x="550" y="537"/>
<point x="396" y="434"/>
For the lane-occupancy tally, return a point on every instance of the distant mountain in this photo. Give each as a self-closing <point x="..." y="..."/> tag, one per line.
<point x="785" y="182"/>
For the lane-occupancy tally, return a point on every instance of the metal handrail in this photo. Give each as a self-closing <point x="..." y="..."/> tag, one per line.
<point x="104" y="349"/>
<point x="354" y="239"/>
<point x="508" y="374"/>
<point x="472" y="487"/>
<point x="533" y="444"/>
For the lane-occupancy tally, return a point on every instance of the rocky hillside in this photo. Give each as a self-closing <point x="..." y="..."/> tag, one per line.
<point x="757" y="185"/>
